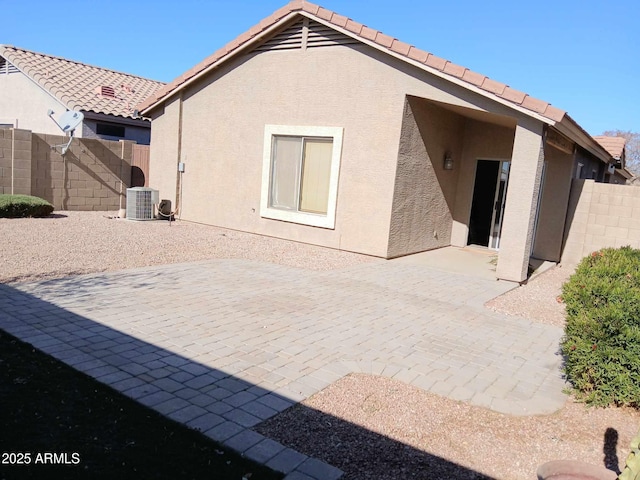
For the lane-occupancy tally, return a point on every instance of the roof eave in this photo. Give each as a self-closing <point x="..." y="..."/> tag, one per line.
<point x="625" y="173"/>
<point x="144" y="110"/>
<point x="130" y="120"/>
<point x="569" y="127"/>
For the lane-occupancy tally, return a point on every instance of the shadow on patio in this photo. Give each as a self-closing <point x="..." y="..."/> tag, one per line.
<point x="226" y="409"/>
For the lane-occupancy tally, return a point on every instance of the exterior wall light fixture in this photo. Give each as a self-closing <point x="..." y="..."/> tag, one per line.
<point x="448" y="161"/>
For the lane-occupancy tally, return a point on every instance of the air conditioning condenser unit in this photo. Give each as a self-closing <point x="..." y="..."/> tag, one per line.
<point x="140" y="202"/>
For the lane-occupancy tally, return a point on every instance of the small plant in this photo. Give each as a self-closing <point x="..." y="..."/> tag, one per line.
<point x="12" y="206"/>
<point x="602" y="335"/>
<point x="632" y="469"/>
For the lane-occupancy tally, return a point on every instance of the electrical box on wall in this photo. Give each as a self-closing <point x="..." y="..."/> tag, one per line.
<point x="181" y="167"/>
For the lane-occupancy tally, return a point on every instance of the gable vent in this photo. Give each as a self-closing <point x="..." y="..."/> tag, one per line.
<point x="6" y="67"/>
<point x="297" y="37"/>
<point x="106" y="91"/>
<point x="323" y="36"/>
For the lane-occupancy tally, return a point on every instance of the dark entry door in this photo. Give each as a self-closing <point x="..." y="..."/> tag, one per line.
<point x="484" y="194"/>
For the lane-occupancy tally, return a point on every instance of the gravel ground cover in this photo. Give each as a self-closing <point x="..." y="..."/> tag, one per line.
<point x="71" y="243"/>
<point x="371" y="427"/>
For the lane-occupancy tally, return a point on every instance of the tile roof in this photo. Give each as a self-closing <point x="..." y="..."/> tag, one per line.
<point x="383" y="42"/>
<point x="613" y="145"/>
<point x="82" y="87"/>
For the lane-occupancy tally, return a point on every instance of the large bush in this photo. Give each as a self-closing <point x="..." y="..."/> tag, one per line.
<point x="602" y="335"/>
<point x="24" y="206"/>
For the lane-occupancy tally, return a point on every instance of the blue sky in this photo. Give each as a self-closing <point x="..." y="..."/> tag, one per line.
<point x="581" y="56"/>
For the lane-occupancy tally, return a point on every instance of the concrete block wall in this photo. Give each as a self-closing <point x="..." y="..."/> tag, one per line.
<point x="600" y="215"/>
<point x="5" y="160"/>
<point x="92" y="175"/>
<point x="15" y="161"/>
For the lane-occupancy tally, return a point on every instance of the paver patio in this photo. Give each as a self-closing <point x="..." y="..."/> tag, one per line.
<point x="222" y="345"/>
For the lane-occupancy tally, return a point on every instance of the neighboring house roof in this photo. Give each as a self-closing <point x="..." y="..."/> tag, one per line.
<point x="78" y="86"/>
<point x="613" y="145"/>
<point x="369" y="36"/>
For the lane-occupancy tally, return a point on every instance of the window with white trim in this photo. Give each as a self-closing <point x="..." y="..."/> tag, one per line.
<point x="300" y="174"/>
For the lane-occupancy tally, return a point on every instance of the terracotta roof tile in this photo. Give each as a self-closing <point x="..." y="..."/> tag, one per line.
<point x="294" y="5"/>
<point x="501" y="90"/>
<point x="534" y="104"/>
<point x="513" y="95"/>
<point x="354" y="27"/>
<point x="74" y="84"/>
<point x="613" y="145"/>
<point x="436" y="62"/>
<point x="417" y="54"/>
<point x="286" y="10"/>
<point x="400" y="47"/>
<point x="368" y="33"/>
<point x="324" y="14"/>
<point x="267" y="22"/>
<point x="384" y="40"/>
<point x="554" y="113"/>
<point x="255" y="30"/>
<point x="309" y="7"/>
<point x="493" y="86"/>
<point x="473" y="77"/>
<point x="455" y="70"/>
<point x="339" y="20"/>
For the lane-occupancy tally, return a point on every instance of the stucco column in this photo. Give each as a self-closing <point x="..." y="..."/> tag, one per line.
<point x="525" y="177"/>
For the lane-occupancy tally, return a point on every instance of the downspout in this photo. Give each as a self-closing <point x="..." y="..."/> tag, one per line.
<point x="122" y="212"/>
<point x="179" y="160"/>
<point x="13" y="158"/>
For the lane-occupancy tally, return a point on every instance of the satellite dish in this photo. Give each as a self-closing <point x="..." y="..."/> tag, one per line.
<point x="67" y="122"/>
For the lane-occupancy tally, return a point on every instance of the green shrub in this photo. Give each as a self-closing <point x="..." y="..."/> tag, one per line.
<point x="602" y="335"/>
<point x="12" y="206"/>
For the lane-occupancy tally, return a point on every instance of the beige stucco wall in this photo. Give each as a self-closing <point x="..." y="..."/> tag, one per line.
<point x="424" y="193"/>
<point x="23" y="101"/>
<point x="601" y="215"/>
<point x="525" y="177"/>
<point x="163" y="169"/>
<point x="356" y="88"/>
<point x="553" y="204"/>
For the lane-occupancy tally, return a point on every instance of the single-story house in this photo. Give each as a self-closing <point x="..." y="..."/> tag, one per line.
<point x="315" y="128"/>
<point x="33" y="83"/>
<point x="616" y="172"/>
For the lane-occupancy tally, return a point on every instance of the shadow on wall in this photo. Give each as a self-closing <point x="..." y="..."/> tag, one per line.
<point x="170" y="381"/>
<point x="90" y="176"/>
<point x="574" y="198"/>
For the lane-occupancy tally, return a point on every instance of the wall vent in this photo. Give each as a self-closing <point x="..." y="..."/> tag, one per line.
<point x="7" y="67"/>
<point x="106" y="91"/>
<point x="296" y="37"/>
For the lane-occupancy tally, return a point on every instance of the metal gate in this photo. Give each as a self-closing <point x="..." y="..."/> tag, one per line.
<point x="140" y="166"/>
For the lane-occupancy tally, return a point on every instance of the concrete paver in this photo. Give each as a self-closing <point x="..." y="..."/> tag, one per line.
<point x="223" y="345"/>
